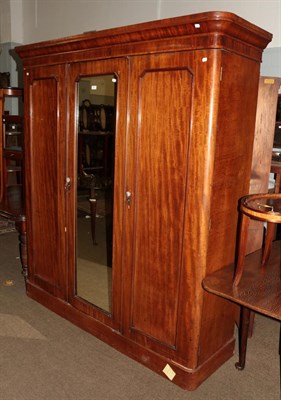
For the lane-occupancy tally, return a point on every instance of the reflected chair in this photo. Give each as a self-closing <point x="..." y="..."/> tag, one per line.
<point x="88" y="181"/>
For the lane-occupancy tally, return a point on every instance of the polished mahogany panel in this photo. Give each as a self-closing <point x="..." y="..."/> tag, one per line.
<point x="160" y="196"/>
<point x="45" y="169"/>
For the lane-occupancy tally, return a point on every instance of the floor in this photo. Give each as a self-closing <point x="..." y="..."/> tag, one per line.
<point x="94" y="263"/>
<point x="43" y="356"/>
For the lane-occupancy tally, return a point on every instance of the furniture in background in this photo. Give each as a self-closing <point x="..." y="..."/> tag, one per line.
<point x="277" y="133"/>
<point x="88" y="182"/>
<point x="95" y="167"/>
<point x="11" y="164"/>
<point x="256" y="284"/>
<point x="4" y="79"/>
<point x="261" y="159"/>
<point x="11" y="132"/>
<point x="96" y="139"/>
<point x="276" y="152"/>
<point x="94" y="151"/>
<point x="182" y="159"/>
<point x="260" y="207"/>
<point x="262" y="150"/>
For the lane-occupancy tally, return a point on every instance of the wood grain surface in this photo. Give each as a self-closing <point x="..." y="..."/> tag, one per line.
<point x="259" y="288"/>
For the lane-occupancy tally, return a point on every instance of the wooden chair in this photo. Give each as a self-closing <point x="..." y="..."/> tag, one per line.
<point x="261" y="207"/>
<point x="256" y="284"/>
<point x="88" y="181"/>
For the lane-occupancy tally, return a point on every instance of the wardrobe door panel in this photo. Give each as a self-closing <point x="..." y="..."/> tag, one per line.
<point x="159" y="138"/>
<point x="45" y="182"/>
<point x="96" y="146"/>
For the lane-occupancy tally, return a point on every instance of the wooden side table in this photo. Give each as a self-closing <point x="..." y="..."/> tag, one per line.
<point x="261" y="207"/>
<point x="258" y="291"/>
<point x="260" y="288"/>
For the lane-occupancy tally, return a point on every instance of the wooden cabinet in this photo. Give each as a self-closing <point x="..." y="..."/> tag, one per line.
<point x="262" y="150"/>
<point x="277" y="132"/>
<point x="11" y="132"/>
<point x="185" y="98"/>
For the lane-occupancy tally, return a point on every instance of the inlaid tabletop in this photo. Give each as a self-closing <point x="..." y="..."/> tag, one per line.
<point x="265" y="207"/>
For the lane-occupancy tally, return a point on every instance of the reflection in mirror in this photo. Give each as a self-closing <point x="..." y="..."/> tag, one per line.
<point x="96" y="134"/>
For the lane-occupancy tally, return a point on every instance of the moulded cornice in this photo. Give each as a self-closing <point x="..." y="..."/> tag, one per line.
<point x="188" y="32"/>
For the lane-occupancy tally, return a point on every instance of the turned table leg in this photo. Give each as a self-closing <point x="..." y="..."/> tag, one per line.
<point x="280" y="357"/>
<point x="241" y="249"/>
<point x="270" y="232"/>
<point x="93" y="208"/>
<point x="21" y="228"/>
<point x="243" y="337"/>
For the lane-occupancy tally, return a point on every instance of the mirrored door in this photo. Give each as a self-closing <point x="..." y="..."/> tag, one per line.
<point x="100" y="110"/>
<point x="95" y="183"/>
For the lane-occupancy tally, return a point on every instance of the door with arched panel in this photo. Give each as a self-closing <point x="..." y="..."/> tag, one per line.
<point x="97" y="93"/>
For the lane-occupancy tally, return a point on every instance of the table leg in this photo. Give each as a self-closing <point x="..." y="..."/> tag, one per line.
<point x="241" y="247"/>
<point x="270" y="232"/>
<point x="243" y="337"/>
<point x="280" y="358"/>
<point x="21" y="228"/>
<point x="93" y="208"/>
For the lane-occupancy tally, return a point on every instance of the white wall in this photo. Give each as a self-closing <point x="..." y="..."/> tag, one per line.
<point x="264" y="13"/>
<point x="17" y="20"/>
<point x="48" y="19"/>
<point x="11" y="21"/>
<point x="11" y="33"/>
<point x="5" y="21"/>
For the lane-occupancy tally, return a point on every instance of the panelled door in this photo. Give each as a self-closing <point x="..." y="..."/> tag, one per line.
<point x="45" y="177"/>
<point x="97" y="93"/>
<point x="159" y="181"/>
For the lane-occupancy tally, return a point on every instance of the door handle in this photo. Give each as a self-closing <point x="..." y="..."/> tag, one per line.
<point x="67" y="184"/>
<point x="128" y="198"/>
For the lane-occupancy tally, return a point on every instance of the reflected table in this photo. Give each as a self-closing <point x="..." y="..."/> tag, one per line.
<point x="12" y="208"/>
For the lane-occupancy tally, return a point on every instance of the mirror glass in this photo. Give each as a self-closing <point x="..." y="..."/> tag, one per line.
<point x="95" y="164"/>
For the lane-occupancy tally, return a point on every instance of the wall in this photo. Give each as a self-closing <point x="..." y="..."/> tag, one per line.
<point x="264" y="13"/>
<point x="68" y="17"/>
<point x="28" y="21"/>
<point x="11" y="34"/>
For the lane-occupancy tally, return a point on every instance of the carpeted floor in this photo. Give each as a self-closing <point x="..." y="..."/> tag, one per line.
<point x="6" y="226"/>
<point x="44" y="357"/>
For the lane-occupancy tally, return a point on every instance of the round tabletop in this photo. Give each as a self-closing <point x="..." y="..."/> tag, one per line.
<point x="264" y="207"/>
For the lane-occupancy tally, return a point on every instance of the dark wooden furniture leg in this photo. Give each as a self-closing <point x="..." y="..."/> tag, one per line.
<point x="21" y="228"/>
<point x="270" y="233"/>
<point x="93" y="208"/>
<point x="89" y="181"/>
<point x="241" y="249"/>
<point x="280" y="358"/>
<point x="243" y="337"/>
